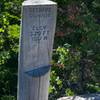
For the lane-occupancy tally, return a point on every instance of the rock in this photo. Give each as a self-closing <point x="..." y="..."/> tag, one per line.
<point x="82" y="97"/>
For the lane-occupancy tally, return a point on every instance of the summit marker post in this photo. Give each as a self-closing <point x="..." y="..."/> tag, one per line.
<point x="36" y="44"/>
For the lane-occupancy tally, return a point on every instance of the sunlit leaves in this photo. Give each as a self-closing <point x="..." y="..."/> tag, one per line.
<point x="69" y="92"/>
<point x="9" y="40"/>
<point x="13" y="31"/>
<point x="67" y="57"/>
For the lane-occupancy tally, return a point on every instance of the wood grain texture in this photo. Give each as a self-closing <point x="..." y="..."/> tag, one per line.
<point x="36" y="44"/>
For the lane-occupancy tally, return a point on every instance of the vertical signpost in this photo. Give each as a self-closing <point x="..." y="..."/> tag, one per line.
<point x="36" y="44"/>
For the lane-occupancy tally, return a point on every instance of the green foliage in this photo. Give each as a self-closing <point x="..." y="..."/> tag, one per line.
<point x="8" y="98"/>
<point x="69" y="92"/>
<point x="9" y="38"/>
<point x="55" y="86"/>
<point x="76" y="56"/>
<point x="93" y="87"/>
<point x="66" y="57"/>
<point x="13" y="36"/>
<point x="76" y="59"/>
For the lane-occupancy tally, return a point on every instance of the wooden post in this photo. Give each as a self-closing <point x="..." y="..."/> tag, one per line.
<point x="36" y="44"/>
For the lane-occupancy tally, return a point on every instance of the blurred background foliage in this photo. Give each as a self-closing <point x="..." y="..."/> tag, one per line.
<point x="76" y="55"/>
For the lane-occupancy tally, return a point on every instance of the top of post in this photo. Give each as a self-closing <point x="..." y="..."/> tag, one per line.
<point x="38" y="2"/>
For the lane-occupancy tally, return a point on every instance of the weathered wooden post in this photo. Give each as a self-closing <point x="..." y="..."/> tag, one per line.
<point x="36" y="43"/>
